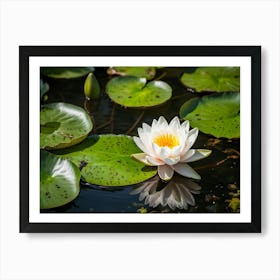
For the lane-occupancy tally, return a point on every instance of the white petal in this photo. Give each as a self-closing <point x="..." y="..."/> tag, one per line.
<point x="187" y="155"/>
<point x="162" y="121"/>
<point x="145" y="138"/>
<point x="165" y="172"/>
<point x="154" y="161"/>
<point x="176" y="151"/>
<point x="192" y="137"/>
<point x="140" y="144"/>
<point x="154" y="123"/>
<point x="185" y="170"/>
<point x="199" y="154"/>
<point x="174" y="124"/>
<point x="156" y="148"/>
<point x="146" y="128"/>
<point x="172" y="161"/>
<point x="165" y="152"/>
<point x="186" y="126"/>
<point x="143" y="158"/>
<point x="142" y="134"/>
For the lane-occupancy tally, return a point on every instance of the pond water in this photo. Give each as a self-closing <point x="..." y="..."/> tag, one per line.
<point x="219" y="172"/>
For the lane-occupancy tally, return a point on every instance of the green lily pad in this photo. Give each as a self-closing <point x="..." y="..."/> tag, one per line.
<point x="59" y="181"/>
<point x="63" y="125"/>
<point x="66" y="72"/>
<point x="130" y="91"/>
<point x="107" y="160"/>
<point x="217" y="114"/>
<point x="140" y="72"/>
<point x="214" y="79"/>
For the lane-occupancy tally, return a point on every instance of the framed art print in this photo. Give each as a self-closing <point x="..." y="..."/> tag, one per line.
<point x="140" y="138"/>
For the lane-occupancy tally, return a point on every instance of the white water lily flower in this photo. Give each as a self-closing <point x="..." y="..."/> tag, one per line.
<point x="168" y="146"/>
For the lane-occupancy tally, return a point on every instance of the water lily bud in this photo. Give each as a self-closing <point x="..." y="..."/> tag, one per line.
<point x="91" y="87"/>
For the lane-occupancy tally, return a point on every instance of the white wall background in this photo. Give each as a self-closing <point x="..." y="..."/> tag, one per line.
<point x="139" y="256"/>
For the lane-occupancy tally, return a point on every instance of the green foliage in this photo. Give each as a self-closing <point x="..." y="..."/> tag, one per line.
<point x="91" y="87"/>
<point x="234" y="201"/>
<point x="140" y="72"/>
<point x="59" y="181"/>
<point x="107" y="160"/>
<point x="234" y="204"/>
<point x="44" y="88"/>
<point x="218" y="114"/>
<point x="65" y="72"/>
<point x="130" y="91"/>
<point x="63" y="125"/>
<point x="214" y="79"/>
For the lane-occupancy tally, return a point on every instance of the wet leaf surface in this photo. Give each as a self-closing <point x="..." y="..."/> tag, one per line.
<point x="130" y="91"/>
<point x="140" y="72"/>
<point x="218" y="115"/>
<point x="107" y="161"/>
<point x="59" y="181"/>
<point x="213" y="79"/>
<point x="63" y="125"/>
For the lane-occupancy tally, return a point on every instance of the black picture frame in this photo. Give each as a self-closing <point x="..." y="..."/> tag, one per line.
<point x="254" y="52"/>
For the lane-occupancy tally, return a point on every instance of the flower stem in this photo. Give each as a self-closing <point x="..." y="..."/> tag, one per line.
<point x="213" y="164"/>
<point x="161" y="76"/>
<point x="136" y="122"/>
<point x="109" y="122"/>
<point x="86" y="107"/>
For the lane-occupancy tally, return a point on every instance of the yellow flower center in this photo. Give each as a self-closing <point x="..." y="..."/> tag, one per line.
<point x="167" y="140"/>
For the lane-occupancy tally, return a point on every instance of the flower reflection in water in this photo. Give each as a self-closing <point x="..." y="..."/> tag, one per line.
<point x="177" y="193"/>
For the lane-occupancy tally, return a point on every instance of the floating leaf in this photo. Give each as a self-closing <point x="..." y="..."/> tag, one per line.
<point x="214" y="79"/>
<point x="140" y="72"/>
<point x="107" y="160"/>
<point x="91" y="87"/>
<point x="216" y="114"/>
<point x="66" y="72"/>
<point x="59" y="181"/>
<point x="131" y="91"/>
<point x="63" y="125"/>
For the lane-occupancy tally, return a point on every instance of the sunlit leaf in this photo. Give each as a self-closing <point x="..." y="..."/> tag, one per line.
<point x="213" y="79"/>
<point x="107" y="160"/>
<point x="130" y="91"/>
<point x="63" y="125"/>
<point x="218" y="114"/>
<point x="59" y="181"/>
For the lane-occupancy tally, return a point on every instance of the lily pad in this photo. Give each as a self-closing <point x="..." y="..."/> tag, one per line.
<point x="213" y="79"/>
<point x="217" y="114"/>
<point x="130" y="91"/>
<point x="63" y="125"/>
<point x="66" y="72"/>
<point x="59" y="181"/>
<point x="140" y="72"/>
<point x="107" y="160"/>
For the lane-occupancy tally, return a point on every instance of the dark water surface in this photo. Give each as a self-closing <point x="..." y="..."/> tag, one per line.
<point x="219" y="172"/>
